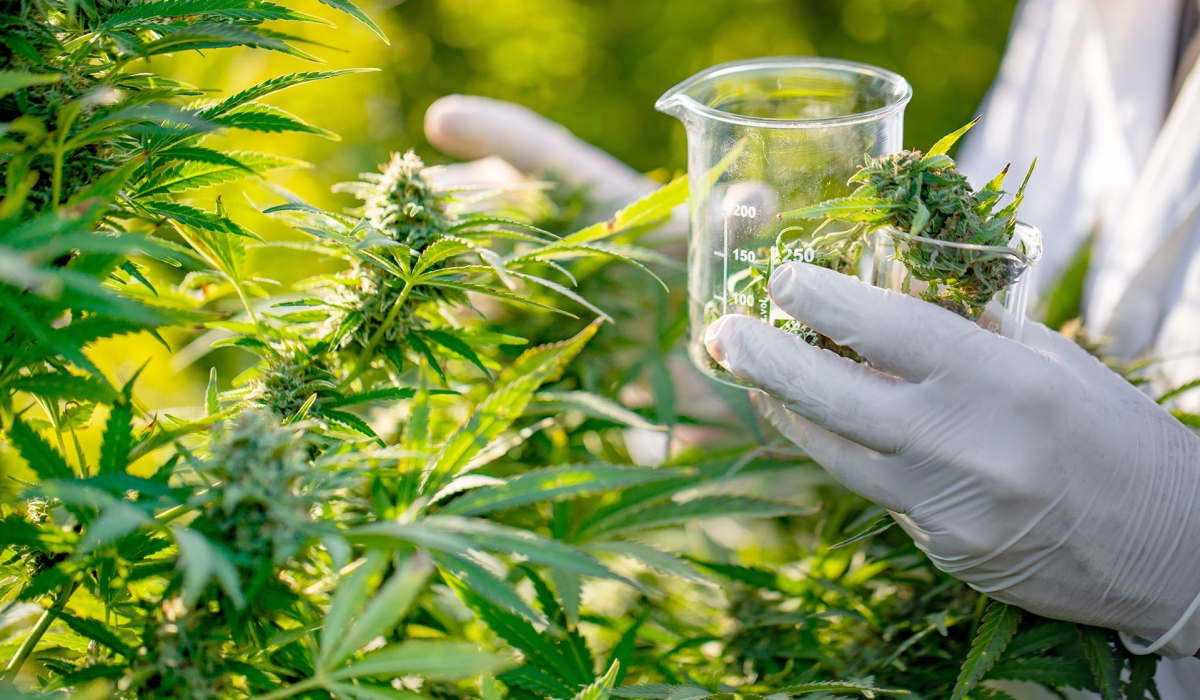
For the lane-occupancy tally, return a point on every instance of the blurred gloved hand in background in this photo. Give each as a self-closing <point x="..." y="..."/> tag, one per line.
<point x="469" y="127"/>
<point x="1030" y="471"/>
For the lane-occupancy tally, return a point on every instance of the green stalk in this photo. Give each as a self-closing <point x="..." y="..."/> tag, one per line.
<point x="289" y="691"/>
<point x="245" y="301"/>
<point x="35" y="636"/>
<point x="364" y="357"/>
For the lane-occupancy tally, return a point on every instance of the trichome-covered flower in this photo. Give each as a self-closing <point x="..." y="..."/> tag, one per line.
<point x="929" y="202"/>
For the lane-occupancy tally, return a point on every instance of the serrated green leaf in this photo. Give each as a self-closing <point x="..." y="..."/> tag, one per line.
<point x="456" y="345"/>
<point x="494" y="537"/>
<point x="850" y="208"/>
<point x="94" y="629"/>
<point x="651" y="208"/>
<point x="602" y="688"/>
<point x="997" y="629"/>
<point x="44" y="460"/>
<point x="61" y="386"/>
<point x="1141" y="678"/>
<point x="273" y="85"/>
<point x="463" y="574"/>
<point x="947" y="142"/>
<point x="589" y="404"/>
<point x="115" y="521"/>
<point x="514" y="389"/>
<point x="194" y="217"/>
<point x="1054" y="671"/>
<point x="11" y="81"/>
<point x="353" y="10"/>
<point x="152" y="14"/>
<point x="269" y="119"/>
<point x="1044" y="637"/>
<point x="20" y="532"/>
<point x="435" y="660"/>
<point x="118" y="439"/>
<point x="558" y="483"/>
<point x="353" y="422"/>
<point x="657" y="559"/>
<point x="1102" y="658"/>
<point x="210" y="36"/>
<point x="193" y="175"/>
<point x="387" y="394"/>
<point x="385" y="610"/>
<point x="866" y="689"/>
<point x="349" y="597"/>
<point x="212" y="401"/>
<point x="671" y="513"/>
<point x="648" y="691"/>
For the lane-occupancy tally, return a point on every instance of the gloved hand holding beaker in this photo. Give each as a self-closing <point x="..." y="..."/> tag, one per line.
<point x="1030" y="471"/>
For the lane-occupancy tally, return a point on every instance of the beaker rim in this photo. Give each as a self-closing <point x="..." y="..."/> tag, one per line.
<point x="1027" y="234"/>
<point x="678" y="94"/>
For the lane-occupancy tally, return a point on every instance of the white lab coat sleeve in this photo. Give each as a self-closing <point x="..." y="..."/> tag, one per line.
<point x="1083" y="89"/>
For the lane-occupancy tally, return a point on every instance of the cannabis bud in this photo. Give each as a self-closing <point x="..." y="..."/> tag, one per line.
<point x="291" y="373"/>
<point x="401" y="201"/>
<point x="401" y="204"/>
<point x="926" y="201"/>
<point x="261" y="498"/>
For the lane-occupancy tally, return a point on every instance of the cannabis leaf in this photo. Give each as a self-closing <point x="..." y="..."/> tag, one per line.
<point x="996" y="630"/>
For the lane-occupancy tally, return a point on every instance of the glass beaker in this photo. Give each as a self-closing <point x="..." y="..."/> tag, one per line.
<point x="767" y="136"/>
<point x="960" y="276"/>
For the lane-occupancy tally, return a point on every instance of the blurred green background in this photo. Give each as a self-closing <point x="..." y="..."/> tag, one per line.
<point x="596" y="66"/>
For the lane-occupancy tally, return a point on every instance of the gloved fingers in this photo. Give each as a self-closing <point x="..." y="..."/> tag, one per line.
<point x="878" y="478"/>
<point x="1061" y="349"/>
<point x="1065" y="351"/>
<point x="489" y="172"/>
<point x="902" y="335"/>
<point x="848" y="398"/>
<point x="470" y="127"/>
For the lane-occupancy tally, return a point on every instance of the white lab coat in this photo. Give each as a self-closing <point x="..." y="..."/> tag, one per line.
<point x="1084" y="86"/>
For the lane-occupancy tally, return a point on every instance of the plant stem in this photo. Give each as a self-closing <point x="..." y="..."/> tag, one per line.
<point x="289" y="691"/>
<point x="56" y="179"/>
<point x="245" y="302"/>
<point x="364" y="357"/>
<point x="35" y="636"/>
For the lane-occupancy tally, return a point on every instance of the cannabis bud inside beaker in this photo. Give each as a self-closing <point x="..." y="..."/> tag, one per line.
<point x="766" y="137"/>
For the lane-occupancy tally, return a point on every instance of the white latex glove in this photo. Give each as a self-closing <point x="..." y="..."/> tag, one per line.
<point x="469" y="127"/>
<point x="1031" y="472"/>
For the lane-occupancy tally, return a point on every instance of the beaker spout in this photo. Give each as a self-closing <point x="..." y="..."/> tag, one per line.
<point x="672" y="103"/>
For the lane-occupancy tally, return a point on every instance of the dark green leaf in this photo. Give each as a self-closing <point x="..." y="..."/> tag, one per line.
<point x="118" y="439"/>
<point x="1102" y="658"/>
<point x="997" y="629"/>
<point x="353" y="10"/>
<point x="61" y="386"/>
<point x="43" y="459"/>
<point x="557" y="483"/>
<point x="93" y="629"/>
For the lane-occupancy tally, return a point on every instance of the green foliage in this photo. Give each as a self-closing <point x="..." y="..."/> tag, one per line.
<point x="421" y="487"/>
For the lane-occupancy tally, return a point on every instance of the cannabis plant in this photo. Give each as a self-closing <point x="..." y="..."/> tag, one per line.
<point x="420" y="484"/>
<point x="928" y="202"/>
